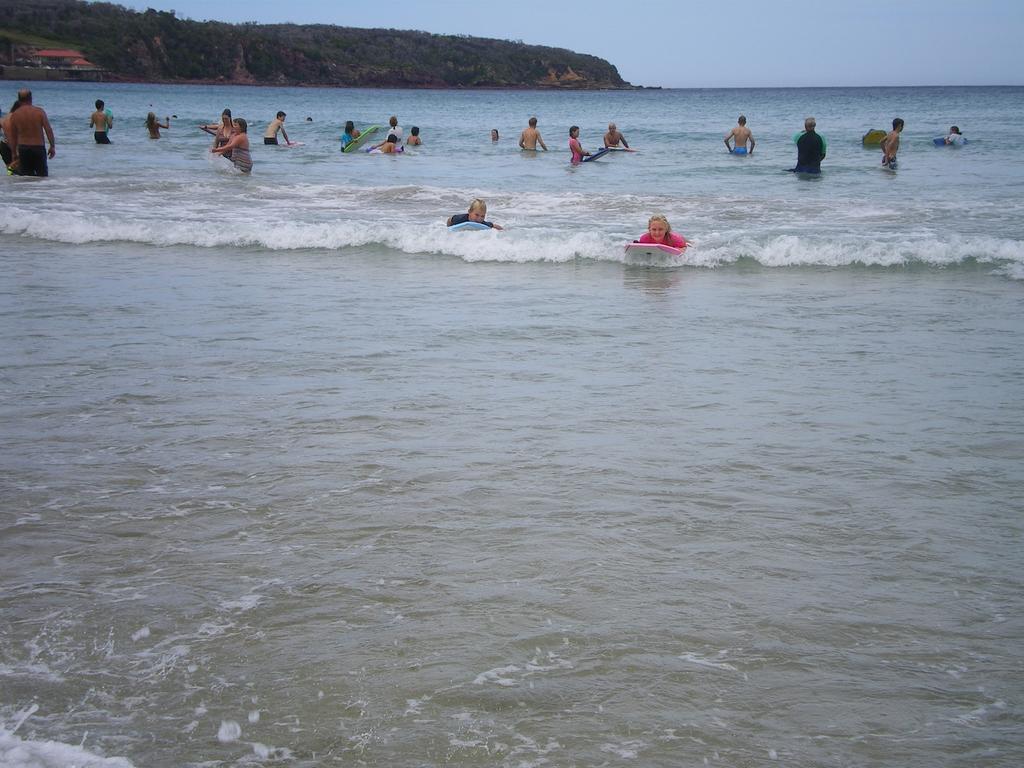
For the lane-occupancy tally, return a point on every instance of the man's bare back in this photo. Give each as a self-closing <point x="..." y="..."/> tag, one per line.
<point x="740" y="136"/>
<point x="530" y="137"/>
<point x="29" y="127"/>
<point x="26" y="129"/>
<point x="99" y="121"/>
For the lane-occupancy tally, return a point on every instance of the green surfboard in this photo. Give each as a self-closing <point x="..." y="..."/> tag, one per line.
<point x="358" y="141"/>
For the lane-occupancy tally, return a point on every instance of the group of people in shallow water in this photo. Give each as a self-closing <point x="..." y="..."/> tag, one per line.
<point x="25" y="130"/>
<point x="26" y="127"/>
<point x="392" y="142"/>
<point x="811" y="150"/>
<point x="530" y="138"/>
<point x="811" y="146"/>
<point x="231" y="139"/>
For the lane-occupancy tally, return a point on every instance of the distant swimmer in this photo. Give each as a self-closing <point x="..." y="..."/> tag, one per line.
<point x="350" y="134"/>
<point x="477" y="212"/>
<point x="100" y="121"/>
<point x="955" y="136"/>
<point x="891" y="144"/>
<point x="275" y="125"/>
<point x="26" y="129"/>
<point x="660" y="233"/>
<point x="494" y="135"/>
<point x="237" y="147"/>
<point x="614" y="137"/>
<point x="578" y="153"/>
<point x="740" y="136"/>
<point x="530" y="137"/>
<point x="414" y="139"/>
<point x="153" y="125"/>
<point x="810" y="149"/>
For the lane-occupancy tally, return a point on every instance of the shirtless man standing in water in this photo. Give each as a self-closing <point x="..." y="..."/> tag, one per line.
<point x="25" y="131"/>
<point x="740" y="136"/>
<point x="530" y="137"/>
<point x="100" y="122"/>
<point x="891" y="144"/>
<point x="614" y="136"/>
<point x="277" y="124"/>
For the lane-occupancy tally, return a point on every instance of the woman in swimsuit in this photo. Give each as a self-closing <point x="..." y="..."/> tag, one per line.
<point x="221" y="131"/>
<point x="578" y="153"/>
<point x="237" y="147"/>
<point x="154" y="125"/>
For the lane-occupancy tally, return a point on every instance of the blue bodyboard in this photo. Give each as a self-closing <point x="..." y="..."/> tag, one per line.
<point x="467" y="225"/>
<point x="600" y="153"/>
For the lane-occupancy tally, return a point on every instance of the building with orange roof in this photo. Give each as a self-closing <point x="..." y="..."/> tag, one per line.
<point x="61" y="58"/>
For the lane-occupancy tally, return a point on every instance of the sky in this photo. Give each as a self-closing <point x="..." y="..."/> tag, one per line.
<point x="685" y="44"/>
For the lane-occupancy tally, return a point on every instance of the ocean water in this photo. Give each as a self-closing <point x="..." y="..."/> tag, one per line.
<point x="293" y="476"/>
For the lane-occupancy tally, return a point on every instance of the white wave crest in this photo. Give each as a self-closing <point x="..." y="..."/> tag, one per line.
<point x="527" y="238"/>
<point x="797" y="251"/>
<point x="20" y="753"/>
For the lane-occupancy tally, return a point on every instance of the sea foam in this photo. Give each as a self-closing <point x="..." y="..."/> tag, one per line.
<point x="16" y="752"/>
<point x="523" y="241"/>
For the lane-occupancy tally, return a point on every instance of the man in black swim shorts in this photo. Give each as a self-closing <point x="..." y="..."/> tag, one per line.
<point x="100" y="122"/>
<point x="277" y="124"/>
<point x="26" y="129"/>
<point x="32" y="161"/>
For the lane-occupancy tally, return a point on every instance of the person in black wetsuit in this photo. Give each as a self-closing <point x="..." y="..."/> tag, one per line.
<point x="477" y="212"/>
<point x="810" y="149"/>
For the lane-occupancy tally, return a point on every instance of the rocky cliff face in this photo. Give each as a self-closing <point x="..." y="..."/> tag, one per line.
<point x="565" y="78"/>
